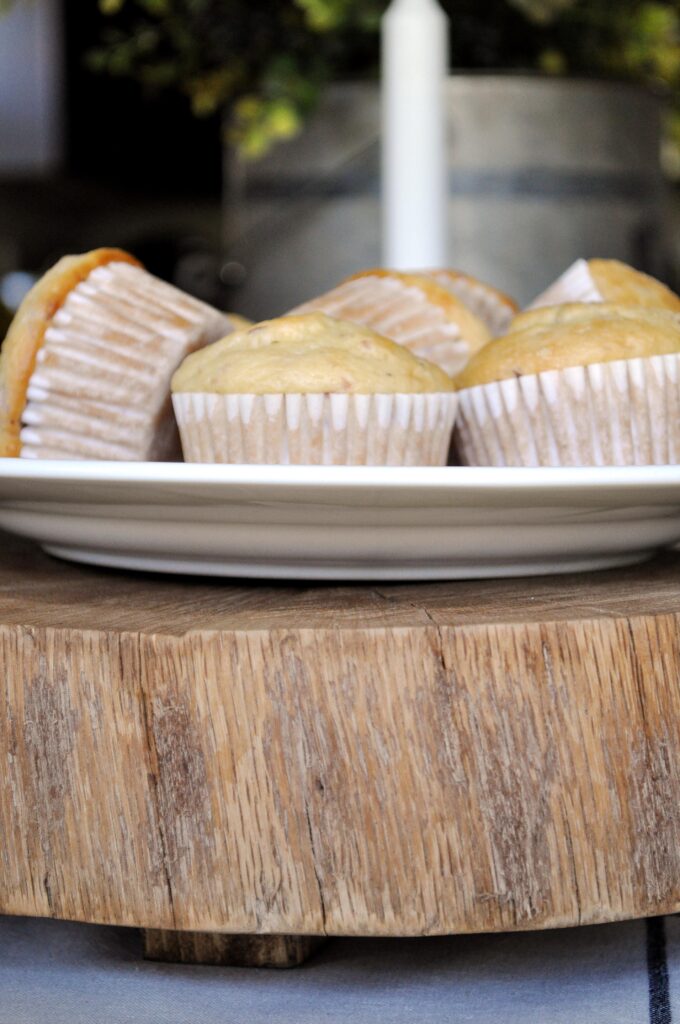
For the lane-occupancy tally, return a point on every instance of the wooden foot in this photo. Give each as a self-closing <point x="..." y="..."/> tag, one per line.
<point x="229" y="950"/>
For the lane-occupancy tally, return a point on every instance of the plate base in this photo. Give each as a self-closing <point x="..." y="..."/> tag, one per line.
<point x="342" y="570"/>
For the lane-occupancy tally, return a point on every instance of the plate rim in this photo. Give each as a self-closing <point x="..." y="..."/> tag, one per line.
<point x="367" y="478"/>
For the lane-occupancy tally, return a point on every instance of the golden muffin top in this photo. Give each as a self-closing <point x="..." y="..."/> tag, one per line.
<point x="27" y="332"/>
<point x="621" y="284"/>
<point x="600" y="280"/>
<point x="575" y="334"/>
<point x="309" y="353"/>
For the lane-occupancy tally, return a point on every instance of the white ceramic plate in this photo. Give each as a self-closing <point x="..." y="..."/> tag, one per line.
<point x="310" y="522"/>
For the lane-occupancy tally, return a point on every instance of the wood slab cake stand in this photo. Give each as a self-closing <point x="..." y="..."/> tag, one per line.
<point x="240" y="768"/>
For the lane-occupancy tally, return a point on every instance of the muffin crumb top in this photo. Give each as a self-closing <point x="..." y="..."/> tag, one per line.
<point x="306" y="354"/>
<point x="621" y="284"/>
<point x="574" y="334"/>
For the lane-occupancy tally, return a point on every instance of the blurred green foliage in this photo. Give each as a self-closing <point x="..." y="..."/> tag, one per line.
<point x="264" y="64"/>
<point x="261" y="64"/>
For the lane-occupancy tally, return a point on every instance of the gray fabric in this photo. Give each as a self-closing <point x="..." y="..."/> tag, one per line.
<point x="61" y="973"/>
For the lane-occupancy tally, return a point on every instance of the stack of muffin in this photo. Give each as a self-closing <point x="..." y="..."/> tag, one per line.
<point x="105" y="361"/>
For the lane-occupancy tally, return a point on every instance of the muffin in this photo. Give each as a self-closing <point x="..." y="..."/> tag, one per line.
<point x="310" y="389"/>
<point x="494" y="308"/>
<point x="607" y="281"/>
<point x="85" y="368"/>
<point x="575" y="385"/>
<point x="410" y="309"/>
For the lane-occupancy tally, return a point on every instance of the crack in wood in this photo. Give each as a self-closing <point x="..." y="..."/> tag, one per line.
<point x="572" y="861"/>
<point x="306" y="769"/>
<point x="154" y="767"/>
<point x="48" y="893"/>
<point x="316" y="870"/>
<point x="637" y="675"/>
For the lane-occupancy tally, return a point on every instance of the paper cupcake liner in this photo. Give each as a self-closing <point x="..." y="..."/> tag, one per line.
<point x="483" y="301"/>
<point x="400" y="312"/>
<point x="317" y="429"/>
<point x="101" y="385"/>
<point x="575" y="285"/>
<point x="621" y="413"/>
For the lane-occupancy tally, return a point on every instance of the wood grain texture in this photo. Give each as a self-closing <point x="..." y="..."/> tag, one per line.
<point x="401" y="760"/>
<point x="229" y="950"/>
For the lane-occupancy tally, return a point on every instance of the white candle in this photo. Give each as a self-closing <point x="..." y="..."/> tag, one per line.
<point x="414" y="187"/>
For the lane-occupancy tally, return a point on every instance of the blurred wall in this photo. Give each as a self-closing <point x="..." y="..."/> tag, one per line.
<point x="31" y="88"/>
<point x="542" y="171"/>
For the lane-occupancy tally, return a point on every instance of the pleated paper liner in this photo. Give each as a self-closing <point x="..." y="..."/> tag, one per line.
<point x="74" y="428"/>
<point x="101" y="385"/>
<point x="401" y="312"/>
<point x="492" y="307"/>
<point x="576" y="284"/>
<point x="317" y="429"/>
<point x="621" y="413"/>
